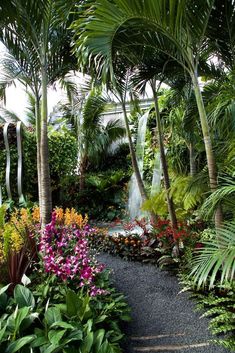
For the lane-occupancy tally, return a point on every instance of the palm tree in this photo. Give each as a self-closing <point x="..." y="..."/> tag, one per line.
<point x="94" y="137"/>
<point x="177" y="28"/>
<point x="38" y="40"/>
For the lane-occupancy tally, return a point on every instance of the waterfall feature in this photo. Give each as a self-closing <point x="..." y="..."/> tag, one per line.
<point x="157" y="174"/>
<point x="134" y="200"/>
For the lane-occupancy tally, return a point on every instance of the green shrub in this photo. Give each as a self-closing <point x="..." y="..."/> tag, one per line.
<point x="63" y="161"/>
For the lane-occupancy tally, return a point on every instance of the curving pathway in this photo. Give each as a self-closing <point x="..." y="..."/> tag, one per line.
<point x="162" y="319"/>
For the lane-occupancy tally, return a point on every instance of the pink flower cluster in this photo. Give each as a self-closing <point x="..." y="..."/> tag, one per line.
<point x="65" y="253"/>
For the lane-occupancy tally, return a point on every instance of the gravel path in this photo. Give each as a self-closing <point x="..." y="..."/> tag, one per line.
<point x="162" y="319"/>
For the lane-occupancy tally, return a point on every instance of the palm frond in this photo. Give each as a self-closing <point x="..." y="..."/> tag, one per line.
<point x="224" y="194"/>
<point x="9" y="115"/>
<point x="215" y="261"/>
<point x="115" y="130"/>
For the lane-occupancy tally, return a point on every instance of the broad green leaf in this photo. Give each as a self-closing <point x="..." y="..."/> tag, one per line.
<point x="98" y="339"/>
<point x="73" y="302"/>
<point x="4" y="289"/>
<point x="52" y="315"/>
<point x="75" y="335"/>
<point x="100" y="319"/>
<point x="87" y="343"/>
<point x="39" y="341"/>
<point x="62" y="324"/>
<point x="2" y="332"/>
<point x="3" y="301"/>
<point x="23" y="296"/>
<point x="21" y="314"/>
<point x="18" y="344"/>
<point x="52" y="349"/>
<point x="55" y="336"/>
<point x="105" y="347"/>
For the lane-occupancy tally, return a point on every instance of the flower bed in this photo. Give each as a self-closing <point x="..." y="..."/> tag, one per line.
<point x="157" y="243"/>
<point x="66" y="302"/>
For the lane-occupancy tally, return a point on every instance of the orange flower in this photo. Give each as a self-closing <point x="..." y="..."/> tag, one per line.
<point x="25" y="216"/>
<point x="72" y="217"/>
<point x="36" y="214"/>
<point x="59" y="214"/>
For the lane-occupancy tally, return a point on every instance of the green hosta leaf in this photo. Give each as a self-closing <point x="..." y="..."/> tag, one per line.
<point x="18" y="344"/>
<point x="39" y="341"/>
<point x="100" y="319"/>
<point x="87" y="343"/>
<point x="3" y="301"/>
<point x="62" y="324"/>
<point x="4" y="289"/>
<point x="105" y="347"/>
<point x="23" y="296"/>
<point x="55" y="336"/>
<point x="2" y="332"/>
<point x="18" y="316"/>
<point x="73" y="302"/>
<point x="53" y="349"/>
<point x="52" y="315"/>
<point x="98" y="339"/>
<point x="75" y="335"/>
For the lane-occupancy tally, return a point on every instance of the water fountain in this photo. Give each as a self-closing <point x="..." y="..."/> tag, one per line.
<point x="135" y="200"/>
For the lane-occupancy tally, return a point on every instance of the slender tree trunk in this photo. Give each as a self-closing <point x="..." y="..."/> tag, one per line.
<point x="208" y="146"/>
<point x="135" y="163"/>
<point x="192" y="159"/>
<point x="83" y="167"/>
<point x="133" y="157"/>
<point x="170" y="203"/>
<point x="37" y="119"/>
<point x="46" y="201"/>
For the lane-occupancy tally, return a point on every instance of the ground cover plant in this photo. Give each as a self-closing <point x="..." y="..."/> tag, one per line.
<point x="61" y="301"/>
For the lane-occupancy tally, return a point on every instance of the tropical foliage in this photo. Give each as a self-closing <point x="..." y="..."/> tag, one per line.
<point x="183" y="53"/>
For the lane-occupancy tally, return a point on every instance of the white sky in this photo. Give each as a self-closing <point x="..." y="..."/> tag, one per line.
<point x="16" y="97"/>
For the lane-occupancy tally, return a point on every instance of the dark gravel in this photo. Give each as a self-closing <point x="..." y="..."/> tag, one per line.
<point x="162" y="319"/>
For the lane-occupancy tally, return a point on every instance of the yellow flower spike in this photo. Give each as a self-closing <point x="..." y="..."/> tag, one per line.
<point x="36" y="214"/>
<point x="67" y="217"/>
<point x="85" y="220"/>
<point x="16" y="241"/>
<point x="59" y="214"/>
<point x="75" y="219"/>
<point x="25" y="216"/>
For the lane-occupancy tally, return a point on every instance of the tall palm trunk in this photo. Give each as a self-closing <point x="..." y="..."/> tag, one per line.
<point x="83" y="167"/>
<point x="208" y="146"/>
<point x="170" y="203"/>
<point x="133" y="156"/>
<point x="38" y="138"/>
<point x="45" y="187"/>
<point x="192" y="159"/>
